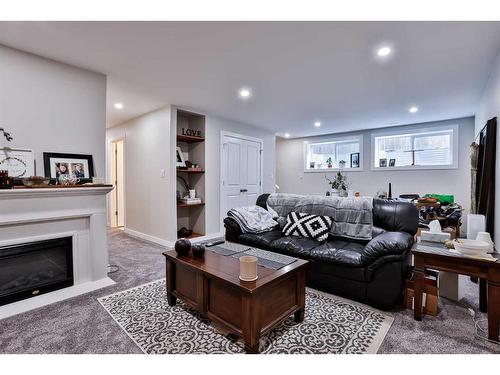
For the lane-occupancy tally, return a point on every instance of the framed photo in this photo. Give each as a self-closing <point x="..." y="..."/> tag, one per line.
<point x="179" y="158"/>
<point x="355" y="160"/>
<point x="78" y="165"/>
<point x="392" y="162"/>
<point x="382" y="163"/>
<point x="18" y="163"/>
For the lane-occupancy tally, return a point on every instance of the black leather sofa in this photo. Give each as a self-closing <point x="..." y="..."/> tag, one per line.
<point x="371" y="272"/>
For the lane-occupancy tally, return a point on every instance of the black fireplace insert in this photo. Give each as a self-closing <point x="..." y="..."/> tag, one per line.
<point x="31" y="269"/>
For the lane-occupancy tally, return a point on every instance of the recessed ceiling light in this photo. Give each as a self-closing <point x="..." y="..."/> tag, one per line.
<point x="245" y="93"/>
<point x="317" y="124"/>
<point x="384" y="51"/>
<point x="287" y="135"/>
<point x="413" y="109"/>
<point x="119" y="105"/>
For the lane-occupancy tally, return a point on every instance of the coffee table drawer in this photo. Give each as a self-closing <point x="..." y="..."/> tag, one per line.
<point x="278" y="299"/>
<point x="224" y="303"/>
<point x="185" y="285"/>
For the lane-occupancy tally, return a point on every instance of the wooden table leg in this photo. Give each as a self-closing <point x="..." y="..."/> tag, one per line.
<point x="418" y="276"/>
<point x="251" y="329"/>
<point x="493" y="303"/>
<point x="171" y="283"/>
<point x="301" y="296"/>
<point x="483" y="295"/>
<point x="299" y="316"/>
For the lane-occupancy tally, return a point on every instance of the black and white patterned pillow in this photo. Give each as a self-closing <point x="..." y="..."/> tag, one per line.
<point x="306" y="225"/>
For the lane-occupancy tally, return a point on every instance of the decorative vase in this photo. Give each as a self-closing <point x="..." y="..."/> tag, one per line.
<point x="335" y="193"/>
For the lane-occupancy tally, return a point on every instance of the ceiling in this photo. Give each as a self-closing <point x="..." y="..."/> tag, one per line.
<point x="298" y="72"/>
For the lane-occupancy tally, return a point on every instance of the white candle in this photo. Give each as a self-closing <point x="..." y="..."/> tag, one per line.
<point x="248" y="268"/>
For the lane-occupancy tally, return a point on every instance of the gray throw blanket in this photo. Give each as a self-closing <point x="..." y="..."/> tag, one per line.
<point x="352" y="217"/>
<point x="252" y="219"/>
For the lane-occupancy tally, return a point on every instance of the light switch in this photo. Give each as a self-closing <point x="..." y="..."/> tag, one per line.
<point x="162" y="173"/>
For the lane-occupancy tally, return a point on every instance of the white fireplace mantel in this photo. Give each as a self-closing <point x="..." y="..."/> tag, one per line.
<point x="28" y="215"/>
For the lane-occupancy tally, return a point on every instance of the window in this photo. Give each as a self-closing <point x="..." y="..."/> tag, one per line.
<point x="419" y="149"/>
<point x="345" y="153"/>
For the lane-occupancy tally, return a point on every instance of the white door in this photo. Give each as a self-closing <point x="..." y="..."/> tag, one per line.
<point x="241" y="172"/>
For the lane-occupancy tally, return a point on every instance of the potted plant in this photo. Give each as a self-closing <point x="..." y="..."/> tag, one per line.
<point x="339" y="185"/>
<point x="342" y="164"/>
<point x="329" y="162"/>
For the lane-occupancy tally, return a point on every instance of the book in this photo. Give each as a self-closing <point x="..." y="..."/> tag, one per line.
<point x="190" y="200"/>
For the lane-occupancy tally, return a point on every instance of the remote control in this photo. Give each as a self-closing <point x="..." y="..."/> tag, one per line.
<point x="213" y="243"/>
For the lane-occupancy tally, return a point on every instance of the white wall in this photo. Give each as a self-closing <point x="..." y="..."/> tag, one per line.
<point x="52" y="107"/>
<point x="148" y="202"/>
<point x="489" y="106"/>
<point x="291" y="178"/>
<point x="214" y="127"/>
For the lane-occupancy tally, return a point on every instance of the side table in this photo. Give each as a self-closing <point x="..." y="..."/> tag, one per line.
<point x="437" y="257"/>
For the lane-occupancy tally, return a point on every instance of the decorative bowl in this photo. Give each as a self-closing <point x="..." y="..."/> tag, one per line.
<point x="34" y="181"/>
<point x="471" y="247"/>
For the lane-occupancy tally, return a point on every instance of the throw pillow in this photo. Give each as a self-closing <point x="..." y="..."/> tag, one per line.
<point x="307" y="225"/>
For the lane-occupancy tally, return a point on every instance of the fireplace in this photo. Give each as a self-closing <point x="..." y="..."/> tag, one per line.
<point x="34" y="268"/>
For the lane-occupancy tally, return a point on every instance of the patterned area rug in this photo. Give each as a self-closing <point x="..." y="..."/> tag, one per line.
<point x="331" y="325"/>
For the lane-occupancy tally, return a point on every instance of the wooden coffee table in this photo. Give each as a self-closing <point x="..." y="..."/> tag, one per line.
<point x="248" y="309"/>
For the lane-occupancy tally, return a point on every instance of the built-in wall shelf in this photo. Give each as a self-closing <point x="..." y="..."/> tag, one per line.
<point x="189" y="138"/>
<point x="191" y="216"/>
<point x="179" y="205"/>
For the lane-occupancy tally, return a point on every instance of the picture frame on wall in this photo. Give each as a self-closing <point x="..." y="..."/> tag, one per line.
<point x="80" y="166"/>
<point x="179" y="158"/>
<point x="18" y="162"/>
<point x="392" y="162"/>
<point x="355" y="160"/>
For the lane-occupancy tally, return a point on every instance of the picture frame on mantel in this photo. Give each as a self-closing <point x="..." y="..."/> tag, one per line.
<point x="79" y="165"/>
<point x="18" y="162"/>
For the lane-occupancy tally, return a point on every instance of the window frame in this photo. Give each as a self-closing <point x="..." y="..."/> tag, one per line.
<point x="416" y="131"/>
<point x="356" y="137"/>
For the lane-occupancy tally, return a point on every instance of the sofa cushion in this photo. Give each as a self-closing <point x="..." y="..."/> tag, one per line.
<point x="307" y="225"/>
<point x="261" y="240"/>
<point x="339" y="252"/>
<point x="299" y="247"/>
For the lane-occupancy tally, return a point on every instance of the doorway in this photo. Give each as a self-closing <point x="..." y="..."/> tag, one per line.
<point x="241" y="171"/>
<point x="118" y="194"/>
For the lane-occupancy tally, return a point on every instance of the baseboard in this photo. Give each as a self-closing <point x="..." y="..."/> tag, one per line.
<point x="148" y="238"/>
<point x="166" y="243"/>
<point x="52" y="297"/>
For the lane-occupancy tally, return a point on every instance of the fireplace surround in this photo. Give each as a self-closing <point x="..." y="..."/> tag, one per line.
<point x="36" y="215"/>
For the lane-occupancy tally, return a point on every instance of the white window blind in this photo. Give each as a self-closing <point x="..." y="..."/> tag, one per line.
<point x="424" y="148"/>
<point x="319" y="154"/>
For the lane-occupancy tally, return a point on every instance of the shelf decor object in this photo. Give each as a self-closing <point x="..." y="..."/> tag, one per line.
<point x="18" y="162"/>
